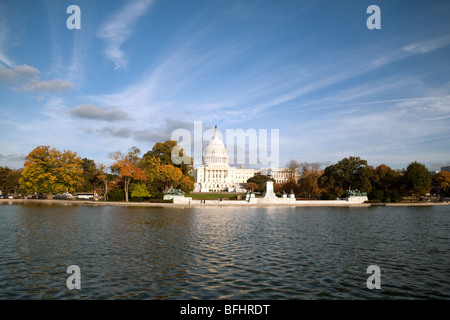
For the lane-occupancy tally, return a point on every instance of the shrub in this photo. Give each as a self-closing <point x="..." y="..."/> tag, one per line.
<point x="328" y="196"/>
<point x="116" y="195"/>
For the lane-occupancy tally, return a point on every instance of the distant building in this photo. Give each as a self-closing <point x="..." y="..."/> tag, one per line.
<point x="280" y="175"/>
<point x="447" y="168"/>
<point x="216" y="175"/>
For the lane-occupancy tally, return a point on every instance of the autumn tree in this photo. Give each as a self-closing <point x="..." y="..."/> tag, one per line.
<point x="163" y="151"/>
<point x="442" y="182"/>
<point x="127" y="166"/>
<point x="9" y="180"/>
<point x="161" y="176"/>
<point x="186" y="184"/>
<point x="293" y="167"/>
<point x="169" y="176"/>
<point x="104" y="177"/>
<point x="51" y="171"/>
<point x="290" y="185"/>
<point x="417" y="179"/>
<point x="251" y="186"/>
<point x="308" y="183"/>
<point x="278" y="187"/>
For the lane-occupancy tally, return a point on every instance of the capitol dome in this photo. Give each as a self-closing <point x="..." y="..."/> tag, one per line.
<point x="215" y="153"/>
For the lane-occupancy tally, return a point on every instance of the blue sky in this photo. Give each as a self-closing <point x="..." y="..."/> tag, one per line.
<point x="138" y="70"/>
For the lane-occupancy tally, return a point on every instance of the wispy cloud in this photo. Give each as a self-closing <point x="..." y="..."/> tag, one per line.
<point x="119" y="27"/>
<point x="194" y="84"/>
<point x="321" y="74"/>
<point x="380" y="128"/>
<point x="428" y="45"/>
<point x="4" y="37"/>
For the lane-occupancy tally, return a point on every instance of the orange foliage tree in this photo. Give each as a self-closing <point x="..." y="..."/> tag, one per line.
<point x="442" y="181"/>
<point x="127" y="166"/>
<point x="163" y="176"/>
<point x="251" y="186"/>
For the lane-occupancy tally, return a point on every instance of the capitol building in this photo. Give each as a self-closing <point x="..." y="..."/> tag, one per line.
<point x="216" y="175"/>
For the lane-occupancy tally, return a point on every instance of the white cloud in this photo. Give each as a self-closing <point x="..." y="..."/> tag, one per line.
<point x="119" y="27"/>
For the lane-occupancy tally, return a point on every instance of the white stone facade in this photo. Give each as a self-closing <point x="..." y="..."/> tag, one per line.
<point x="216" y="175"/>
<point x="222" y="178"/>
<point x="280" y="175"/>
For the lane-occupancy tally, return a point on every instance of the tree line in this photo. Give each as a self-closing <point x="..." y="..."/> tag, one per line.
<point x="381" y="183"/>
<point x="131" y="176"/>
<point x="134" y="177"/>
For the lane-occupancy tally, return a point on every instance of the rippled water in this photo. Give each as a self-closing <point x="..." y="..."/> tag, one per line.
<point x="224" y="252"/>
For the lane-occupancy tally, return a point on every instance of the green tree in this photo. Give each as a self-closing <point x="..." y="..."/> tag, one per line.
<point x="417" y="179"/>
<point x="386" y="184"/>
<point x="90" y="175"/>
<point x="115" y="195"/>
<point x="348" y="174"/>
<point x="260" y="181"/>
<point x="139" y="190"/>
<point x="51" y="171"/>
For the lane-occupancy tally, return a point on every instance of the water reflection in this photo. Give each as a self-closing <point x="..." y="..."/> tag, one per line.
<point x="223" y="252"/>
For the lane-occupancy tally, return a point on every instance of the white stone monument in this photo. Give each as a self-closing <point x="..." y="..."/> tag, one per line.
<point x="270" y="194"/>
